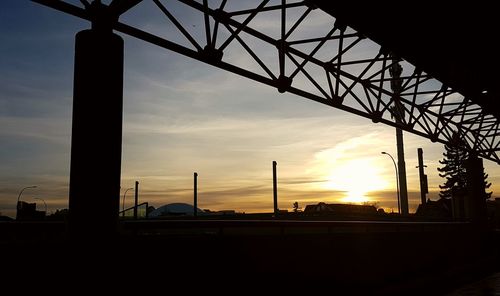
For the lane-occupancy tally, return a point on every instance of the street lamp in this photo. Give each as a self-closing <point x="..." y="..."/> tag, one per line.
<point x="397" y="180"/>
<point x="43" y="203"/>
<point x="123" y="205"/>
<point x="19" y="196"/>
<point x="18" y="207"/>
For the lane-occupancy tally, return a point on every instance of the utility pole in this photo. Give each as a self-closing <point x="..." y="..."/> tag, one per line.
<point x="136" y="199"/>
<point x="399" y="114"/>
<point x="424" y="189"/>
<point x="275" y="189"/>
<point x="195" y="194"/>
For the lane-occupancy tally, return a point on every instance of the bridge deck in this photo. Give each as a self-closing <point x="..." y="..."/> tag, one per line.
<point x="451" y="42"/>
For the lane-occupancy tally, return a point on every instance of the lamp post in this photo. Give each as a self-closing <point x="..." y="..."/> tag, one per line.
<point x="123" y="205"/>
<point x="43" y="203"/>
<point x="397" y="179"/>
<point x="19" y="197"/>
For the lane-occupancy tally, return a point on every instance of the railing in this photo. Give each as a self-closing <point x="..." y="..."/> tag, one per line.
<point x="142" y="212"/>
<point x="286" y="227"/>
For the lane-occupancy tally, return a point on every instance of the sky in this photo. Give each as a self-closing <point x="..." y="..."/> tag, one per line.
<point x="182" y="116"/>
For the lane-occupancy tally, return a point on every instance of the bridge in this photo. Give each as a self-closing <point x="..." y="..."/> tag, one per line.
<point x="421" y="70"/>
<point x="410" y="68"/>
<point x="448" y="80"/>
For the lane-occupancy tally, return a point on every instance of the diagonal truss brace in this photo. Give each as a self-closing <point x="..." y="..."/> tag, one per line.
<point x="337" y="67"/>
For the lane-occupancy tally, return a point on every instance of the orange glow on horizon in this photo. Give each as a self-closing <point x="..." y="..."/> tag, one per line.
<point x="356" y="178"/>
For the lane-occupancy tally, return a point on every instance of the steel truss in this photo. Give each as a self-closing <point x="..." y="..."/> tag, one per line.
<point x="279" y="43"/>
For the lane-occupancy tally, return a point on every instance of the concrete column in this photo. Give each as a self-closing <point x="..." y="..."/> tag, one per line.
<point x="475" y="200"/>
<point x="96" y="140"/>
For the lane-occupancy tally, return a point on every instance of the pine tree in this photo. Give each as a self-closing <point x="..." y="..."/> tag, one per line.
<point x="454" y="169"/>
<point x="486" y="184"/>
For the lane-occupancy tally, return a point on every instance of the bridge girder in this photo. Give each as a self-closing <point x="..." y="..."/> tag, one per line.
<point x="337" y="66"/>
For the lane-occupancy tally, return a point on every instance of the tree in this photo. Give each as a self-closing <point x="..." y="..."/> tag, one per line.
<point x="374" y="204"/>
<point x="486" y="184"/>
<point x="296" y="207"/>
<point x="454" y="169"/>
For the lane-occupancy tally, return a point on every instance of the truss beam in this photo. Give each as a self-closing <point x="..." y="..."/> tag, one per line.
<point x="334" y="65"/>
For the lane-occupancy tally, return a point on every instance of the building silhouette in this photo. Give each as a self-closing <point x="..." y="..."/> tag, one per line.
<point x="27" y="212"/>
<point x="339" y="209"/>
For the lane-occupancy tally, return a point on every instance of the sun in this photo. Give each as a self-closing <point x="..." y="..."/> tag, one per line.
<point x="356" y="178"/>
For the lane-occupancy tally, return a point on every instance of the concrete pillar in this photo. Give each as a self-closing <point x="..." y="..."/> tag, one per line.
<point x="475" y="200"/>
<point x="96" y="140"/>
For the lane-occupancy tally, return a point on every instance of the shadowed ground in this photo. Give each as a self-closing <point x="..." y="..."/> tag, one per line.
<point x="353" y="258"/>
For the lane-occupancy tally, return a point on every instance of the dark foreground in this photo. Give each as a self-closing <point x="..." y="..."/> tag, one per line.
<point x="256" y="257"/>
<point x="488" y="286"/>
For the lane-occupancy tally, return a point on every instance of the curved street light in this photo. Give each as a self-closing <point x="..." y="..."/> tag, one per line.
<point x="19" y="196"/>
<point x="43" y="203"/>
<point x="18" y="207"/>
<point x="123" y="205"/>
<point x="397" y="180"/>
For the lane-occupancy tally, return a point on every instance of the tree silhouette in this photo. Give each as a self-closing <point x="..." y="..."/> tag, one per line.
<point x="486" y="185"/>
<point x="296" y="207"/>
<point x="454" y="169"/>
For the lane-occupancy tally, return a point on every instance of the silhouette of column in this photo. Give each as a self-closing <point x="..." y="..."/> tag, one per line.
<point x="475" y="199"/>
<point x="195" y="194"/>
<point x="395" y="71"/>
<point x="402" y="173"/>
<point x="423" y="177"/>
<point x="136" y="199"/>
<point x="275" y="189"/>
<point x="96" y="140"/>
<point x="397" y="180"/>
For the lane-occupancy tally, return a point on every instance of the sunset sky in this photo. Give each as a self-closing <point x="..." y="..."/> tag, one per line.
<point x="182" y="116"/>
